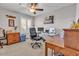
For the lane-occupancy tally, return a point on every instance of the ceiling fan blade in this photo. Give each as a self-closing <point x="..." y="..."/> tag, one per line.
<point x="39" y="9"/>
<point x="34" y="4"/>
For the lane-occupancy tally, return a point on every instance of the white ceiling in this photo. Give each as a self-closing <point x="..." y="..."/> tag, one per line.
<point x="24" y="8"/>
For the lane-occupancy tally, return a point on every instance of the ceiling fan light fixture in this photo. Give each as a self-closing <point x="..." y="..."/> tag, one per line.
<point x="32" y="10"/>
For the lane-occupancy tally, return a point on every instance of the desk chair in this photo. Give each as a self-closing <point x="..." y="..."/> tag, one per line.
<point x="2" y="36"/>
<point x="35" y="38"/>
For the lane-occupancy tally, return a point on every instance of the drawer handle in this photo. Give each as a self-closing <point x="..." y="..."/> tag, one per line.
<point x="14" y="40"/>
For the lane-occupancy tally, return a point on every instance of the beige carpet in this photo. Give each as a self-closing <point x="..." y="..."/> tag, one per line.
<point x="21" y="49"/>
<point x="25" y="49"/>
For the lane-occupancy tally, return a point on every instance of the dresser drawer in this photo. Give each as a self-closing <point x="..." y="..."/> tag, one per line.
<point x="10" y="41"/>
<point x="9" y="36"/>
<point x="13" y="38"/>
<point x="16" y="39"/>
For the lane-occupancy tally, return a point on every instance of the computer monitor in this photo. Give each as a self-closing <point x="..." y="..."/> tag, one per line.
<point x="52" y="30"/>
<point x="41" y="29"/>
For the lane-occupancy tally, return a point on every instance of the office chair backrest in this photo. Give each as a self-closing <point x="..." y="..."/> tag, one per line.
<point x="33" y="32"/>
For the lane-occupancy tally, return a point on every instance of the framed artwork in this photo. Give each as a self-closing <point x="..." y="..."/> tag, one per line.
<point x="49" y="20"/>
<point x="11" y="22"/>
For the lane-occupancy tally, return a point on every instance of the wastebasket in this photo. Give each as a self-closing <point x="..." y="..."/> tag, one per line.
<point x="22" y="37"/>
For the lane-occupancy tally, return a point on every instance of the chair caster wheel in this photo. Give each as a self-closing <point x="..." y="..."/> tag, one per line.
<point x="31" y="43"/>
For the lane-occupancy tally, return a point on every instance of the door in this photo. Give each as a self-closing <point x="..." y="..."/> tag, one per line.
<point x="23" y="25"/>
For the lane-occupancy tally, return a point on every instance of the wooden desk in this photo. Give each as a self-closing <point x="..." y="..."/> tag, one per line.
<point x="59" y="48"/>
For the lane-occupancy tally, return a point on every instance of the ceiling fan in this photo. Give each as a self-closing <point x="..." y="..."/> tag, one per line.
<point x="34" y="8"/>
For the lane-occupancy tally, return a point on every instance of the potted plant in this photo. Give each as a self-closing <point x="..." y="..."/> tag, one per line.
<point x="77" y="24"/>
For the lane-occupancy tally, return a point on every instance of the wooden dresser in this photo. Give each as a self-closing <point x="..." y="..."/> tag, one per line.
<point x="13" y="37"/>
<point x="71" y="38"/>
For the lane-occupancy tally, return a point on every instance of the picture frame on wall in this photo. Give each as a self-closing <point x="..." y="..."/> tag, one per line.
<point x="49" y="20"/>
<point x="11" y="22"/>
